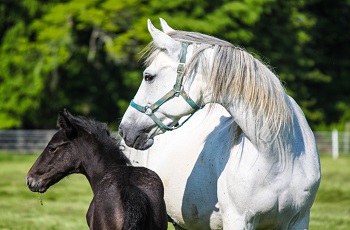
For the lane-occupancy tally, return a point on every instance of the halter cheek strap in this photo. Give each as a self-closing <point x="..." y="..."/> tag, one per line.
<point x="176" y="91"/>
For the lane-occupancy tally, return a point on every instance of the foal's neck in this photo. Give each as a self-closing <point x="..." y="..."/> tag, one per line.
<point x="99" y="161"/>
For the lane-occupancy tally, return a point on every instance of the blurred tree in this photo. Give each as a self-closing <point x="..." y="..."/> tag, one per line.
<point x="329" y="49"/>
<point x="56" y="57"/>
<point x="83" y="55"/>
<point x="21" y="68"/>
<point x="309" y="55"/>
<point x="282" y="35"/>
<point x="92" y="76"/>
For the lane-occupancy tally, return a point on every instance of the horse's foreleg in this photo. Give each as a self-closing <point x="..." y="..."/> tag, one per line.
<point x="234" y="220"/>
<point x="300" y="221"/>
<point x="237" y="224"/>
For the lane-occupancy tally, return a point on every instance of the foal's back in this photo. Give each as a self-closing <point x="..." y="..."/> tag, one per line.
<point x="137" y="192"/>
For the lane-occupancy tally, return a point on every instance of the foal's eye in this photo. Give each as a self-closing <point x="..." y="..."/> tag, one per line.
<point x="51" y="149"/>
<point x="148" y="77"/>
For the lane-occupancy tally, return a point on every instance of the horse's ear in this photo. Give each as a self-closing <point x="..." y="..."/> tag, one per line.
<point x="165" y="27"/>
<point x="64" y="122"/>
<point x="162" y="40"/>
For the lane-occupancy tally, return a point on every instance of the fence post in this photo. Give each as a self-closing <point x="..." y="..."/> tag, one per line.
<point x="346" y="137"/>
<point x="335" y="147"/>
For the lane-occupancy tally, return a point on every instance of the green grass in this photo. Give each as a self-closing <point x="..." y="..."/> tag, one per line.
<point x="331" y="209"/>
<point x="66" y="203"/>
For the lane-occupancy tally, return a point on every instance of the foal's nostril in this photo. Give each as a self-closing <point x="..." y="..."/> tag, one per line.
<point x="120" y="131"/>
<point x="29" y="181"/>
<point x="34" y="185"/>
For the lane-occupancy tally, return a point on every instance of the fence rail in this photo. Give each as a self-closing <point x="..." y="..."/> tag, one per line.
<point x="25" y="141"/>
<point x="333" y="142"/>
<point x="33" y="141"/>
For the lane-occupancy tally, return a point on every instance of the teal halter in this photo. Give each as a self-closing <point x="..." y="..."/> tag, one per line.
<point x="175" y="92"/>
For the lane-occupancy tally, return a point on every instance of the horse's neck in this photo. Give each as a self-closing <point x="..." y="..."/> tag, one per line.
<point x="267" y="142"/>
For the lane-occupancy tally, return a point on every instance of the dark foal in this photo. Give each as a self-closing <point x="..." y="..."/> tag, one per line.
<point x="125" y="197"/>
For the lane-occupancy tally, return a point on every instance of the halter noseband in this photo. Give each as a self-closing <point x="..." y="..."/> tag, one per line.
<point x="176" y="91"/>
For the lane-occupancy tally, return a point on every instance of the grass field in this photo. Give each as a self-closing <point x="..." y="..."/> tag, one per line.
<point x="65" y="204"/>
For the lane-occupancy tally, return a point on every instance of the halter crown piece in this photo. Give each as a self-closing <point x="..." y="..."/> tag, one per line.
<point x="176" y="91"/>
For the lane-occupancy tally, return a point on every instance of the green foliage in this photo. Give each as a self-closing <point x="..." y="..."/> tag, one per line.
<point x="83" y="55"/>
<point x="18" y="68"/>
<point x="329" y="50"/>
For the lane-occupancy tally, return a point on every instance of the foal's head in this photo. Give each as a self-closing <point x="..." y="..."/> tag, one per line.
<point x="78" y="140"/>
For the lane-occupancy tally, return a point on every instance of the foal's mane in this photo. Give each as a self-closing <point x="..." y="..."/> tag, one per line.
<point x="103" y="136"/>
<point x="234" y="73"/>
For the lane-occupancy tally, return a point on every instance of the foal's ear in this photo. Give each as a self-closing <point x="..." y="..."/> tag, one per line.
<point x="65" y="123"/>
<point x="162" y="40"/>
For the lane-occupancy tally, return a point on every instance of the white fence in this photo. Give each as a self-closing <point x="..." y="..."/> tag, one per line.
<point x="334" y="142"/>
<point x="24" y="141"/>
<point x="33" y="141"/>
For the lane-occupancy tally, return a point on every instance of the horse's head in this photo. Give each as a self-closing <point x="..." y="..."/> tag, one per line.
<point x="59" y="158"/>
<point x="168" y="90"/>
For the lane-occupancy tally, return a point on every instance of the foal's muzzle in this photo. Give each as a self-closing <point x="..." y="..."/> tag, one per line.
<point x="35" y="184"/>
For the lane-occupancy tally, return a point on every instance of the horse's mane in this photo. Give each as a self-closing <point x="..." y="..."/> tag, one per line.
<point x="235" y="73"/>
<point x="103" y="136"/>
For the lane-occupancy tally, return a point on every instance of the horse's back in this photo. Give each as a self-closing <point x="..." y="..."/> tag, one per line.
<point x="129" y="198"/>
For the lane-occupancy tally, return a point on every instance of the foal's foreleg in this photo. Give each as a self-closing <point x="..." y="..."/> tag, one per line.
<point x="176" y="226"/>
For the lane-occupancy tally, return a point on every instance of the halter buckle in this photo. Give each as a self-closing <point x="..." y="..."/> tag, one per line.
<point x="181" y="68"/>
<point x="177" y="90"/>
<point x="148" y="111"/>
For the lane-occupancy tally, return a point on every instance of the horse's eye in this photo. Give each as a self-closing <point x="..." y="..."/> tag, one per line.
<point x="149" y="77"/>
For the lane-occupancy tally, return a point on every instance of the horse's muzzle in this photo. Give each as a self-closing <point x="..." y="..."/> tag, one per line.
<point x="140" y="141"/>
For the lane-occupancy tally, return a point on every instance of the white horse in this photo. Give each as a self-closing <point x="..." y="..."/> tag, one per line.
<point x="273" y="171"/>
<point x="189" y="161"/>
